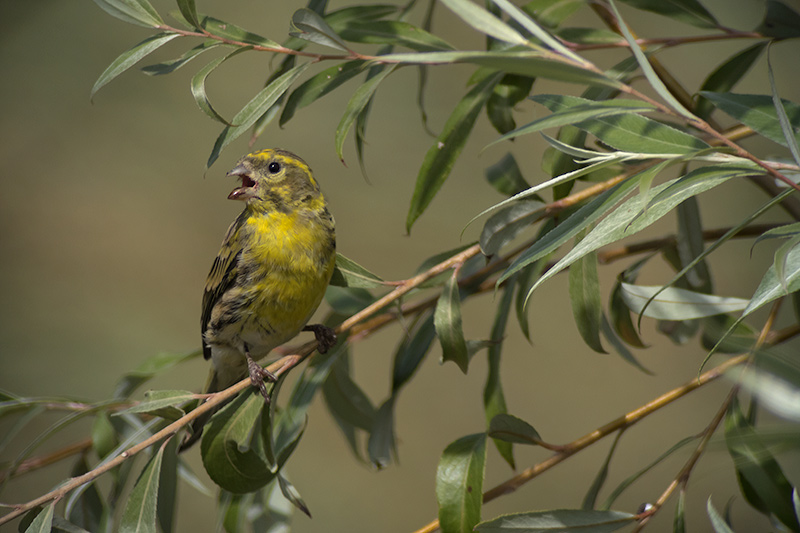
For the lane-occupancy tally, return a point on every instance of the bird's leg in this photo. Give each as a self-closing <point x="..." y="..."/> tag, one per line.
<point x="326" y="337"/>
<point x="258" y="374"/>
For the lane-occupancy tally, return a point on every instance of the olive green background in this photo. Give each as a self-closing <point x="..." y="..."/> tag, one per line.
<point x="109" y="224"/>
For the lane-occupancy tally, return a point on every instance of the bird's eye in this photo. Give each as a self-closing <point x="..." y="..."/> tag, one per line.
<point x="274" y="167"/>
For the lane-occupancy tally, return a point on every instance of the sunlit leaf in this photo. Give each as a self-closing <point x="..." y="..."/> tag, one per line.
<point x="459" y="483"/>
<point x="678" y="304"/>
<point x="575" y="114"/>
<point x="43" y="521"/>
<point x="189" y="11"/>
<point x="530" y="25"/>
<point x="530" y="64"/>
<point x="717" y="522"/>
<point x="483" y="21"/>
<point x="627" y="132"/>
<point x="655" y="81"/>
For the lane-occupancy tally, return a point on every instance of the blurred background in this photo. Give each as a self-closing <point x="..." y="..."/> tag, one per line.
<point x="109" y="225"/>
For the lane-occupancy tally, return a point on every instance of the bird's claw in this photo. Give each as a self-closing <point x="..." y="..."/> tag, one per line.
<point x="325" y="336"/>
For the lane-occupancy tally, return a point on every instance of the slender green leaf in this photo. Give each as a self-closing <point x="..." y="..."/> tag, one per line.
<point x="628" y="219"/>
<point x="679" y="520"/>
<point x="690" y="245"/>
<point x="189" y="11"/>
<point x="758" y="112"/>
<point x="634" y="477"/>
<point x="170" y="66"/>
<point x="311" y="27"/>
<point x="483" y="21"/>
<point x="447" y="321"/>
<point x="168" y="487"/>
<point x="618" y="346"/>
<point x="717" y="522"/>
<point x="582" y="218"/>
<point x="584" y="295"/>
<point x="43" y="521"/>
<point x="442" y="155"/>
<point x="411" y="351"/>
<point x="234" y="33"/>
<point x="254" y="109"/>
<point x="530" y="64"/>
<point x="772" y="287"/>
<point x="627" y="132"/>
<point x="760" y="476"/>
<point x="232" y="452"/>
<point x="346" y="399"/>
<point x="138" y="12"/>
<point x="139" y="515"/>
<point x="787" y="128"/>
<point x="509" y="428"/>
<point x="159" y="399"/>
<point x="293" y="417"/>
<point x="459" y="483"/>
<point x="677" y="304"/>
<point x="552" y="13"/>
<point x="347" y="301"/>
<point x="620" y="312"/>
<point x="725" y="76"/>
<point x="494" y="401"/>
<point x="198" y="86"/>
<point x="506" y="177"/>
<point x="358" y="102"/>
<point x="780" y="21"/>
<point x="775" y="381"/>
<point x="291" y="494"/>
<point x="561" y="520"/>
<point x="688" y="11"/>
<point x="148" y="369"/>
<point x="381" y="445"/>
<point x="537" y="31"/>
<point x="647" y="69"/>
<point x="590" y="500"/>
<point x="348" y="273"/>
<point x="393" y="32"/>
<point x="129" y="58"/>
<point x="88" y="509"/>
<point x="511" y="90"/>
<point x="786" y="231"/>
<point x="504" y="226"/>
<point x="575" y="114"/>
<point x="589" y="36"/>
<point x="318" y="86"/>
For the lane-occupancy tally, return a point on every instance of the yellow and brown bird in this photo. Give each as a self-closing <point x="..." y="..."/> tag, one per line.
<point x="271" y="272"/>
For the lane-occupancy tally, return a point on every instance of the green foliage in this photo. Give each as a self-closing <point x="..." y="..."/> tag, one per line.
<point x="620" y="159"/>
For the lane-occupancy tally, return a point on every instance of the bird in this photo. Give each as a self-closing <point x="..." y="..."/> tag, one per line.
<point x="270" y="274"/>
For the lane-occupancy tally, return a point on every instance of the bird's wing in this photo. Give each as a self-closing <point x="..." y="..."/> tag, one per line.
<point x="222" y="276"/>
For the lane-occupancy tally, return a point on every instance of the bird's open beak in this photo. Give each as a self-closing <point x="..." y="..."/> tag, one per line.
<point x="248" y="184"/>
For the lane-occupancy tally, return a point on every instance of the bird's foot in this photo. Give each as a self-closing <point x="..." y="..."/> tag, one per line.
<point x="326" y="337"/>
<point x="258" y="376"/>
